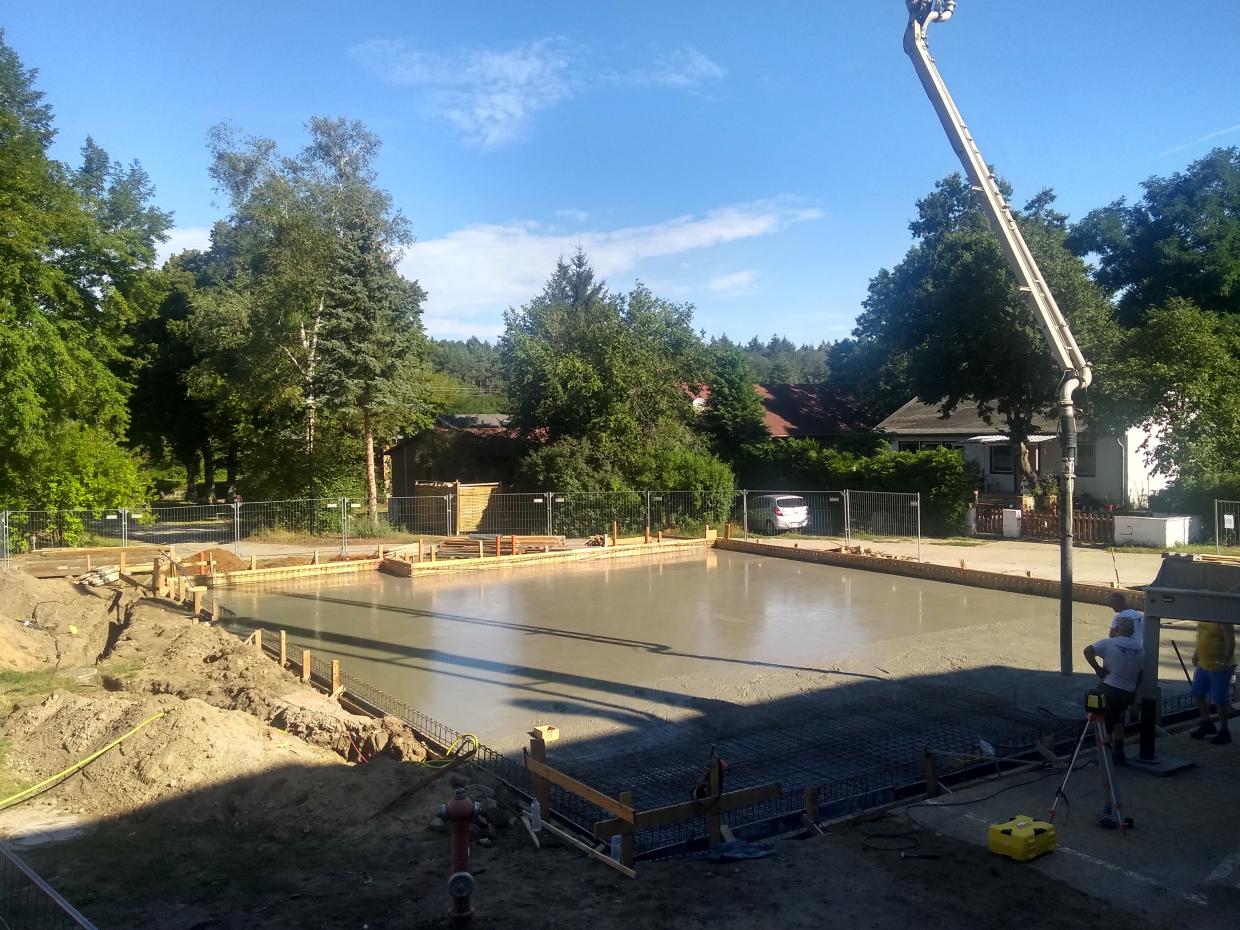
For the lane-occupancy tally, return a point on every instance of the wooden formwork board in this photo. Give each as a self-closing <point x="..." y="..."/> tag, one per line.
<point x="586" y="553"/>
<point x="259" y="575"/>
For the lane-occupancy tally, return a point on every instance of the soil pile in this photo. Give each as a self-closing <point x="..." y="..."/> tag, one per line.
<point x="223" y="560"/>
<point x="199" y="661"/>
<point x="46" y="623"/>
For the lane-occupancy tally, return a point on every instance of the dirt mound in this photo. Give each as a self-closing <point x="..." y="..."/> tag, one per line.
<point x="191" y="748"/>
<point x="224" y="560"/>
<point x="48" y="622"/>
<point x="199" y="661"/>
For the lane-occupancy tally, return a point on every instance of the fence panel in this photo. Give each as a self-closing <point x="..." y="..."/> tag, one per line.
<point x="581" y="514"/>
<point x="27" y="901"/>
<point x="418" y="516"/>
<point x="304" y="524"/>
<point x="1226" y="526"/>
<point x="989" y="519"/>
<point x="687" y="513"/>
<point x="1098" y="528"/>
<point x="513" y="514"/>
<point x="30" y="530"/>
<point x="211" y="524"/>
<point x="884" y="515"/>
<point x="826" y="511"/>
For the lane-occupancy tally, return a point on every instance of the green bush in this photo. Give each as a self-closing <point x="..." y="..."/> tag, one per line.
<point x="1197" y="498"/>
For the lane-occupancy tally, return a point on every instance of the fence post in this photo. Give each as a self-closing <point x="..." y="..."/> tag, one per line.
<point x="548" y="496"/>
<point x="237" y="528"/>
<point x="745" y="514"/>
<point x="917" y="504"/>
<point x="344" y="526"/>
<point x="4" y="535"/>
<point x="847" y="519"/>
<point x="1217" y="520"/>
<point x="123" y="513"/>
<point x="647" y="514"/>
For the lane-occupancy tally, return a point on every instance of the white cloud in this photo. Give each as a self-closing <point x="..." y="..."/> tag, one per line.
<point x="474" y="273"/>
<point x="1206" y="138"/>
<point x="182" y="238"/>
<point x="735" y="283"/>
<point x="490" y="94"/>
<point x="569" y="213"/>
<point x="684" y="69"/>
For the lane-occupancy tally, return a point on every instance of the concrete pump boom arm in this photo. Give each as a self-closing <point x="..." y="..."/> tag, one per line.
<point x="1077" y="373"/>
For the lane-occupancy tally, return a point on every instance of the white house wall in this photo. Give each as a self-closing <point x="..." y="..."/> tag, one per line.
<point x="1141" y="480"/>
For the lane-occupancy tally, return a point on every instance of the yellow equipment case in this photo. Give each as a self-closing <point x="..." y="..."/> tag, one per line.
<point x="1022" y="838"/>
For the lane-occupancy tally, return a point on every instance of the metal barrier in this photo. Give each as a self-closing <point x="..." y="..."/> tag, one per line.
<point x="1226" y="525"/>
<point x="29" y="903"/>
<point x="344" y="523"/>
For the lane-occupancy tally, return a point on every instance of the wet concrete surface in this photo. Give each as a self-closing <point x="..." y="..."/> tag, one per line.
<point x="598" y="647"/>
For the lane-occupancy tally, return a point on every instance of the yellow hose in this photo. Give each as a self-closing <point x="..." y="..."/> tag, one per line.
<point x="35" y="789"/>
<point x="456" y="752"/>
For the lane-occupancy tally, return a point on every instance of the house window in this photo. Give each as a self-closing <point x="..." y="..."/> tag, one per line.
<point x="1086" y="464"/>
<point x="942" y="445"/>
<point x="1001" y="459"/>
<point x="908" y="447"/>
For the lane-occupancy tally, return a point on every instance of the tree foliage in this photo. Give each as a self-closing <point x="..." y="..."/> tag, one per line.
<point x="734" y="414"/>
<point x="952" y="319"/>
<point x="75" y="269"/>
<point x="580" y="360"/>
<point x="1180" y="240"/>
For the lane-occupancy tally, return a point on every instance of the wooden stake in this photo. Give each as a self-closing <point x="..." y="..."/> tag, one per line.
<point x="283" y="649"/>
<point x="714" y="821"/>
<point x="305" y="665"/>
<point x="315" y="560"/>
<point x="433" y="548"/>
<point x="253" y="562"/>
<point x="480" y="552"/>
<point x="727" y="531"/>
<point x="88" y="561"/>
<point x="258" y="641"/>
<point x="626" y="839"/>
<point x="499" y="543"/>
<point x="197" y="602"/>
<point x="647" y="536"/>
<point x="512" y="540"/>
<point x="660" y="536"/>
<point x="615" y="533"/>
<point x="157" y="576"/>
<point x="542" y="787"/>
<point x="335" y="677"/>
<point x="211" y="565"/>
<point x="932" y="774"/>
<point x="380" y="556"/>
<point x="419" y="550"/>
<point x="120" y="562"/>
<point x="215" y="606"/>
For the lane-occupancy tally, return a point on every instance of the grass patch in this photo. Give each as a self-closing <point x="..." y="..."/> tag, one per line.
<point x="965" y="541"/>
<point x="23" y="687"/>
<point x="1196" y="548"/>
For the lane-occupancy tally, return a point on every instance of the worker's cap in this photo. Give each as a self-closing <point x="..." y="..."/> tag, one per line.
<point x="1124" y="626"/>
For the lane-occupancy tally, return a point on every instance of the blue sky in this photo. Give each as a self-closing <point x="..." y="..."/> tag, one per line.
<point x="760" y="163"/>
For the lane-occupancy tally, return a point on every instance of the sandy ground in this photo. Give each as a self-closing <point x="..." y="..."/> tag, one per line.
<point x="1012" y="557"/>
<point x="244" y="805"/>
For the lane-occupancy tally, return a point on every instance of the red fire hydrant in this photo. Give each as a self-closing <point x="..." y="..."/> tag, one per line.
<point x="459" y="813"/>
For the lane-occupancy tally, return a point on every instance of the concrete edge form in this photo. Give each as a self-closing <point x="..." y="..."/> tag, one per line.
<point x="1014" y="584"/>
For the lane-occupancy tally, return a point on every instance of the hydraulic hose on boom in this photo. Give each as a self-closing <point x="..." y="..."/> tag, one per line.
<point x="1076" y="371"/>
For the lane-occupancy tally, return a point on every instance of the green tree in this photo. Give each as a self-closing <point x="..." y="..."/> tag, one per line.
<point x="734" y="413"/>
<point x="951" y="314"/>
<point x="580" y="360"/>
<point x="1180" y="240"/>
<point x="312" y="315"/>
<point x="1171" y="262"/>
<point x="73" y="271"/>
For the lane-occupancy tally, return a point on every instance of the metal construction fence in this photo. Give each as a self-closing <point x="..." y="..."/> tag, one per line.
<point x="1226" y="526"/>
<point x="273" y="527"/>
<point x="30" y="903"/>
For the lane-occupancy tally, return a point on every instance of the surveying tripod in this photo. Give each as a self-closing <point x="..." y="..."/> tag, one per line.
<point x="1113" y="812"/>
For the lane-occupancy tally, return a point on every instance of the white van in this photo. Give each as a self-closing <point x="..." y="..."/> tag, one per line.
<point x="777" y="513"/>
